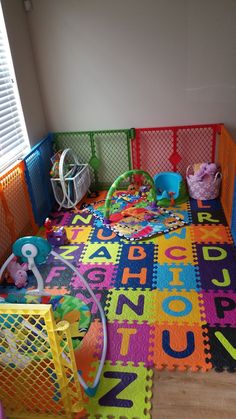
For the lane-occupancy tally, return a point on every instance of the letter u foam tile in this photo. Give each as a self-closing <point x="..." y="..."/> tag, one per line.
<point x="179" y="346"/>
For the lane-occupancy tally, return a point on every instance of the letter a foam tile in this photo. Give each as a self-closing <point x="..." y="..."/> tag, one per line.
<point x="124" y="391"/>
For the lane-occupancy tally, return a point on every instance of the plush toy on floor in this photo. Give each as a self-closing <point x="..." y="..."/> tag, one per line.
<point x="56" y="236"/>
<point x="16" y="273"/>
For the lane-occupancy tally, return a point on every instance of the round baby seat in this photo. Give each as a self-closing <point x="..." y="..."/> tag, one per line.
<point x="170" y="185"/>
<point x="64" y="307"/>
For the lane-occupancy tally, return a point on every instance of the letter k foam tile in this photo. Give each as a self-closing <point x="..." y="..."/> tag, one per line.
<point x="179" y="347"/>
<point x="124" y="391"/>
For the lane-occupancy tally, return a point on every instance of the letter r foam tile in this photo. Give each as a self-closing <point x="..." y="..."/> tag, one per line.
<point x="124" y="391"/>
<point x="179" y="347"/>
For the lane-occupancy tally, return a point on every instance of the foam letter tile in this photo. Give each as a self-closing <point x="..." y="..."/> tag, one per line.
<point x="101" y="253"/>
<point x="211" y="234"/>
<point x="222" y="342"/>
<point x="98" y="276"/>
<point x="130" y="305"/>
<point x="179" y="347"/>
<point x="124" y="391"/>
<point x="176" y="247"/>
<point x="78" y="234"/>
<point x="219" y="307"/>
<point x="177" y="307"/>
<point x="128" y="342"/>
<point x="176" y="277"/>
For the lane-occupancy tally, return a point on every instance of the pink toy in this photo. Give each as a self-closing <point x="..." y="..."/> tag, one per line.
<point x="17" y="272"/>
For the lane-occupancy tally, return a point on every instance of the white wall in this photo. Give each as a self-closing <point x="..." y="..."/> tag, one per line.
<point x="120" y="63"/>
<point x="24" y="65"/>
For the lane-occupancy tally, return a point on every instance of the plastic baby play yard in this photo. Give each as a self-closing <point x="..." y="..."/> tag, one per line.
<point x="38" y="337"/>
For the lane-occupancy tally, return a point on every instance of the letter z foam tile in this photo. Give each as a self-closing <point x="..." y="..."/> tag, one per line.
<point x="124" y="391"/>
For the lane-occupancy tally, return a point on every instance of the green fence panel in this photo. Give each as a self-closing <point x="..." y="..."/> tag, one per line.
<point x="107" y="152"/>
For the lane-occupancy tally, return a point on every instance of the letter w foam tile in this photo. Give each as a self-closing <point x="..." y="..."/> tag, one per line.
<point x="124" y="391"/>
<point x="179" y="347"/>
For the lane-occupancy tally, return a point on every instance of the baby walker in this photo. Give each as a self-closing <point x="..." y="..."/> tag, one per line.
<point x="34" y="250"/>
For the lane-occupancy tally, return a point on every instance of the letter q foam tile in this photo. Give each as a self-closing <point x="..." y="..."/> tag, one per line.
<point x="124" y="391"/>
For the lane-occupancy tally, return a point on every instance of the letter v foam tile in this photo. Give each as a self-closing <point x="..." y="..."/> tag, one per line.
<point x="124" y="391"/>
<point x="222" y="347"/>
<point x="179" y="347"/>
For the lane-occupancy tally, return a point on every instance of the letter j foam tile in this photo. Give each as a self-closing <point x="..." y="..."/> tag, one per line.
<point x="124" y="391"/>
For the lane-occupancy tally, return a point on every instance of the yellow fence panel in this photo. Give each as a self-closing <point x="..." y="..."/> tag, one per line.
<point x="38" y="373"/>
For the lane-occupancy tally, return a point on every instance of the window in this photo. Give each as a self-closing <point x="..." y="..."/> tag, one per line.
<point x="14" y="140"/>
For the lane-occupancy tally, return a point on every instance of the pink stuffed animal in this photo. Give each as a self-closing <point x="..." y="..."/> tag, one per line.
<point x="205" y="170"/>
<point x="17" y="272"/>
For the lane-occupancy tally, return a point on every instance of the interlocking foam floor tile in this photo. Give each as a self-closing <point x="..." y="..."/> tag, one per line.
<point x="124" y="391"/>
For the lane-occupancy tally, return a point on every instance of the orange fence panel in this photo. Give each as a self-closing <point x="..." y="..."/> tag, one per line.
<point x="227" y="162"/>
<point x="16" y="216"/>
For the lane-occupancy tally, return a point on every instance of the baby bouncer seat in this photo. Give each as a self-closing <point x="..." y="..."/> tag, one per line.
<point x="38" y="339"/>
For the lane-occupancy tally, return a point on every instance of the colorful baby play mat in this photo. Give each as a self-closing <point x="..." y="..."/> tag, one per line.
<point x="134" y="218"/>
<point x="170" y="302"/>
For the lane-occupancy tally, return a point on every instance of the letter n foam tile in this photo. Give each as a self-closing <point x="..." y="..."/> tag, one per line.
<point x="128" y="342"/>
<point x="124" y="391"/>
<point x="130" y="305"/>
<point x="179" y="347"/>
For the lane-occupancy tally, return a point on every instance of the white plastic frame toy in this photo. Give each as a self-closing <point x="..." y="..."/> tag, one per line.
<point x="70" y="188"/>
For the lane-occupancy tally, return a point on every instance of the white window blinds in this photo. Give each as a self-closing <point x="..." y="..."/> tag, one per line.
<point x="13" y="135"/>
